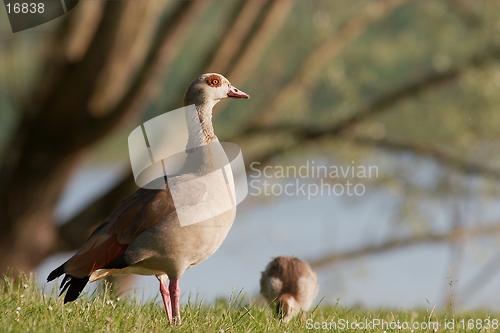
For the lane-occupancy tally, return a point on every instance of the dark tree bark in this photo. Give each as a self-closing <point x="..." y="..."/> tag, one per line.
<point x="58" y="123"/>
<point x="44" y="151"/>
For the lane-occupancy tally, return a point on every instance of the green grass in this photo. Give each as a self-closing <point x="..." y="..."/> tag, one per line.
<point x="24" y="308"/>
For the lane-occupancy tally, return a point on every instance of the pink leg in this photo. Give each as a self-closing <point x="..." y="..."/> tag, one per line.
<point x="165" y="295"/>
<point x="175" y="294"/>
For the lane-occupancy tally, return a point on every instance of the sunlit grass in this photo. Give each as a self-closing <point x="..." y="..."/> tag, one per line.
<point x="24" y="308"/>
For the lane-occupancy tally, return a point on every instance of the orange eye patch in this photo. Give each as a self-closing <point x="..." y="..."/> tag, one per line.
<point x="213" y="81"/>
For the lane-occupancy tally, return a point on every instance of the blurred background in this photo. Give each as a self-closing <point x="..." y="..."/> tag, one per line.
<point x="408" y="87"/>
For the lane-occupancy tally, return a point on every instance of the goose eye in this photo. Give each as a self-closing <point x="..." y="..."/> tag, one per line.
<point x="213" y="81"/>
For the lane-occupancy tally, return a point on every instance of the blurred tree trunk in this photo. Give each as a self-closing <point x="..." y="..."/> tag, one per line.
<point x="50" y="143"/>
<point x="101" y="66"/>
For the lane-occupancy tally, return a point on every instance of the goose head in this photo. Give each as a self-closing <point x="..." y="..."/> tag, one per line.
<point x="208" y="89"/>
<point x="204" y="92"/>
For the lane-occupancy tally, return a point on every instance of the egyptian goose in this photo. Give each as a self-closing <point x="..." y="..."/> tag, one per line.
<point x="289" y="283"/>
<point x="143" y="235"/>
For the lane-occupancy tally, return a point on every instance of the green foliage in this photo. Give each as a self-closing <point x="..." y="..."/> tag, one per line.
<point x="24" y="308"/>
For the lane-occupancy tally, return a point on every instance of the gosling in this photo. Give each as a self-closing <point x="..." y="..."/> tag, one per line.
<point x="290" y="284"/>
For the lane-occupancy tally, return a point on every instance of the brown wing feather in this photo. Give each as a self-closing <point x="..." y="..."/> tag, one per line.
<point x="135" y="214"/>
<point x="84" y="262"/>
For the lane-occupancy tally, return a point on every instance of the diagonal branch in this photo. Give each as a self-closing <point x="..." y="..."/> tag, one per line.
<point x="455" y="235"/>
<point x="439" y="155"/>
<point x="381" y="105"/>
<point x="165" y="48"/>
<point x="240" y="27"/>
<point x="304" y="135"/>
<point x="274" y="18"/>
<point x="319" y="57"/>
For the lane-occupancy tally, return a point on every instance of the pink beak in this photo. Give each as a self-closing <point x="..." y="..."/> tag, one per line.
<point x="235" y="93"/>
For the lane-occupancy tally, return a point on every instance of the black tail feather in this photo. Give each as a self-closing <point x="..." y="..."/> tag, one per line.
<point x="66" y="282"/>
<point x="76" y="286"/>
<point x="56" y="273"/>
<point x="72" y="284"/>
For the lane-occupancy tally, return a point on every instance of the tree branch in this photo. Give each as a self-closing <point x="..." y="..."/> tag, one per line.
<point x="319" y="57"/>
<point x="439" y="155"/>
<point x="237" y="30"/>
<point x="303" y="135"/>
<point x="252" y="51"/>
<point x="164" y="49"/>
<point x="455" y="235"/>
